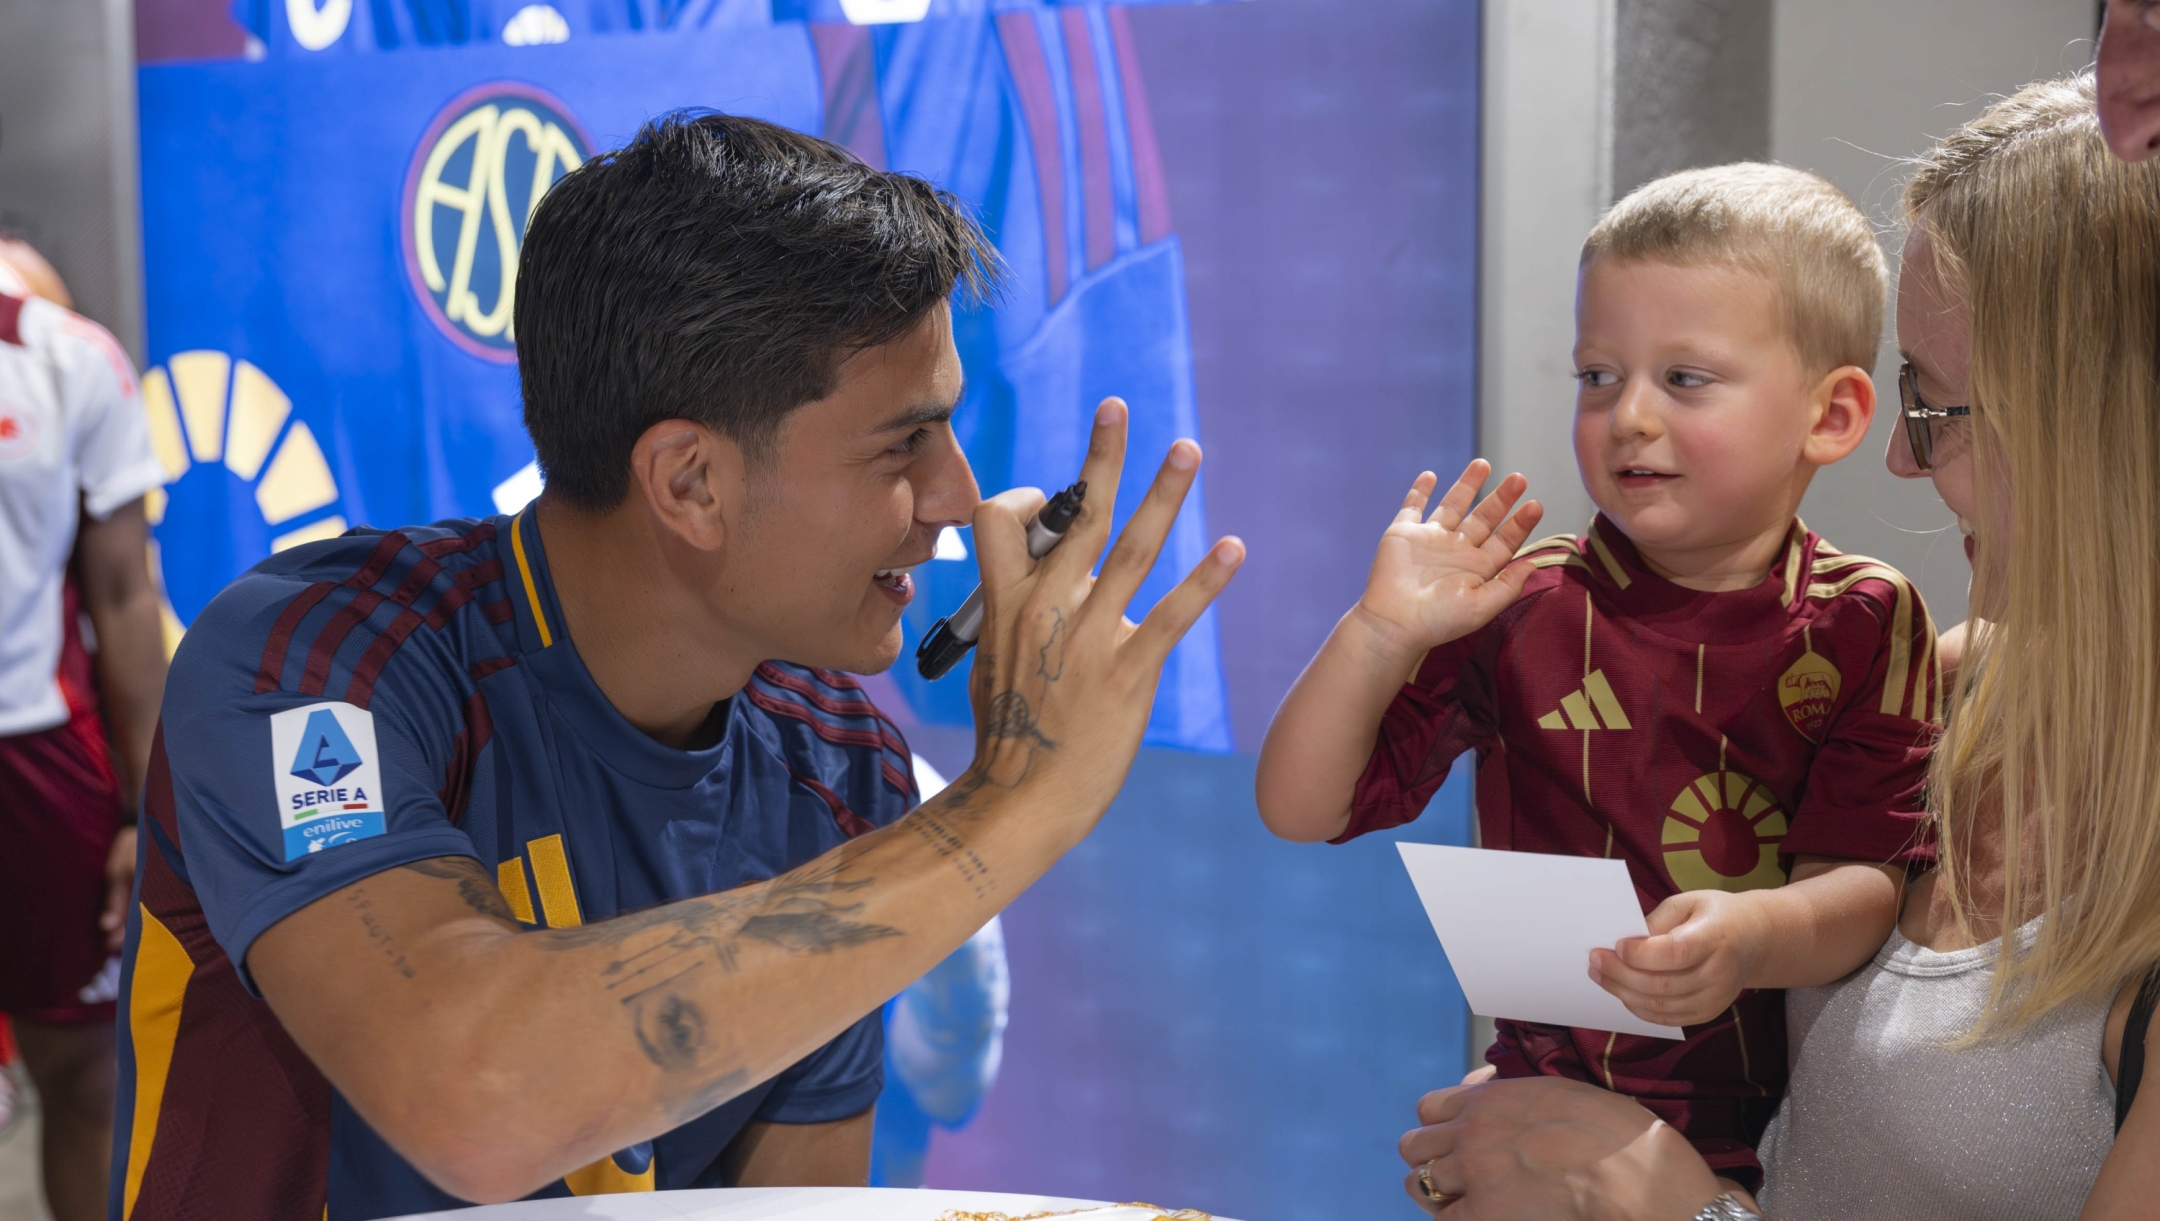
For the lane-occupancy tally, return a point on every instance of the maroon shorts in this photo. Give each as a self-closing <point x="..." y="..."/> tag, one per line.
<point x="59" y="812"/>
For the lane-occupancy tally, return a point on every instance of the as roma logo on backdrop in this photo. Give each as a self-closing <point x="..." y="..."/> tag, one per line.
<point x="484" y="162"/>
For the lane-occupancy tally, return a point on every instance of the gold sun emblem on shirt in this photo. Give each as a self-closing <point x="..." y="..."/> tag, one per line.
<point x="1723" y="834"/>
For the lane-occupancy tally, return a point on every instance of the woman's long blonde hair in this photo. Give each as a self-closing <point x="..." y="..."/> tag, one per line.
<point x="2056" y="247"/>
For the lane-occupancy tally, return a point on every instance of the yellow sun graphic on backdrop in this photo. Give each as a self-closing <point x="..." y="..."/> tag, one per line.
<point x="205" y="407"/>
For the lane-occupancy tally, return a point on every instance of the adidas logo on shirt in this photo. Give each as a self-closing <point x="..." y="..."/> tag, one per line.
<point x="1590" y="706"/>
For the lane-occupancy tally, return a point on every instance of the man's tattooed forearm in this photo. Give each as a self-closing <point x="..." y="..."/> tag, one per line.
<point x="952" y="846"/>
<point x="378" y="933"/>
<point x="475" y="887"/>
<point x="671" y="1030"/>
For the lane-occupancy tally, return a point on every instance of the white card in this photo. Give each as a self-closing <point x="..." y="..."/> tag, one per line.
<point x="1518" y="928"/>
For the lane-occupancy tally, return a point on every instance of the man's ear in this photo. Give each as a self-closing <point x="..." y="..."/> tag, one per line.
<point x="693" y="479"/>
<point x="1843" y="409"/>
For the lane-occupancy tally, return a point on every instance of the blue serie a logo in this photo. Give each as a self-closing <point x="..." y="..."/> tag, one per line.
<point x="328" y="781"/>
<point x="482" y="165"/>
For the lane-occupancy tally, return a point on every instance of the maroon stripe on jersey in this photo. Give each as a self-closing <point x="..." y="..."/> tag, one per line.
<point x="352" y="615"/>
<point x="847" y="72"/>
<point x="157" y="788"/>
<point x="468" y="583"/>
<point x="362" y="687"/>
<point x="11" y="320"/>
<point x="827" y="703"/>
<point x="493" y="665"/>
<point x="465" y="755"/>
<point x="835" y="734"/>
<point x="1038" y="104"/>
<point x="851" y="823"/>
<point x="499" y="612"/>
<point x="288" y="621"/>
<point x="243" y="1127"/>
<point x="1098" y="212"/>
<point x="436" y="548"/>
<point x="1149" y="184"/>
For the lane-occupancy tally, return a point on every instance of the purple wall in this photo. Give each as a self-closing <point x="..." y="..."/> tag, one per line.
<point x="1322" y="159"/>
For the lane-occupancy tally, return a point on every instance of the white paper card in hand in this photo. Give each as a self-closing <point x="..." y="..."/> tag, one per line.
<point x="1518" y="928"/>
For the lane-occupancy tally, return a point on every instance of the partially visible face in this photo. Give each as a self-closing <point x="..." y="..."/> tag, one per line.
<point x="2129" y="78"/>
<point x="1934" y="331"/>
<point x="36" y="274"/>
<point x="856" y="493"/>
<point x="1694" y="405"/>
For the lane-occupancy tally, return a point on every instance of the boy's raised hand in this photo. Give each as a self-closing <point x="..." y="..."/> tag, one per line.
<point x="1440" y="578"/>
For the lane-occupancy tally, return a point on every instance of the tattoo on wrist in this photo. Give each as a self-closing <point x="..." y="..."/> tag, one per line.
<point x="952" y="846"/>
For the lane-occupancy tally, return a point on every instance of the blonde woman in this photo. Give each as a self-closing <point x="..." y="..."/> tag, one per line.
<point x="1952" y="1078"/>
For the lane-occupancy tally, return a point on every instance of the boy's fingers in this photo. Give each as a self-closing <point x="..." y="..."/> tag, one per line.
<point x="1625" y="975"/>
<point x="1515" y="531"/>
<point x="1457" y="502"/>
<point x="1179" y="609"/>
<point x="1133" y="555"/>
<point x="1413" y="505"/>
<point x="1662" y="952"/>
<point x="1480" y="525"/>
<point x="1105" y="463"/>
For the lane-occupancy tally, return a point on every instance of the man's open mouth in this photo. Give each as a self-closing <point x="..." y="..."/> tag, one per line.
<point x="898" y="583"/>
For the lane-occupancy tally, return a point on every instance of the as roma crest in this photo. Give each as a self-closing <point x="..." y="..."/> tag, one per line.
<point x="476" y="176"/>
<point x="1807" y="691"/>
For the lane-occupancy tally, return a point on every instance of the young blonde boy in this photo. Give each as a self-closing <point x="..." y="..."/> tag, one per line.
<point x="1699" y="686"/>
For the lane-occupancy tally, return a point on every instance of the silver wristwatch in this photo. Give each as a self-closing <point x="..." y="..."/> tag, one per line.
<point x="1726" y="1208"/>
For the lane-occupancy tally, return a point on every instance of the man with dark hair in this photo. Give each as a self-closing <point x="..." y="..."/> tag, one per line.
<point x="497" y="858"/>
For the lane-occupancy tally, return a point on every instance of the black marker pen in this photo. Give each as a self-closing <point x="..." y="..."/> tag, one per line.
<point x="950" y="638"/>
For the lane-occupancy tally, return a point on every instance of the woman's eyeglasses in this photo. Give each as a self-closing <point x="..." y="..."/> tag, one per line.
<point x="1920" y="418"/>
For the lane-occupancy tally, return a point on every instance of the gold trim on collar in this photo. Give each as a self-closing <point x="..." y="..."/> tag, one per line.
<point x="532" y="592"/>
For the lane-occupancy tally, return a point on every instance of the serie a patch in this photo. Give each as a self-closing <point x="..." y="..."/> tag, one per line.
<point x="328" y="776"/>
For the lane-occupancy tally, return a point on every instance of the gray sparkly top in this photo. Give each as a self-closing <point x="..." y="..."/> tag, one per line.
<point x="1882" y="1120"/>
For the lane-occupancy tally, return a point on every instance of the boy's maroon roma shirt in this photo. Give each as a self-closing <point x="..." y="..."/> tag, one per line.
<point x="1706" y="739"/>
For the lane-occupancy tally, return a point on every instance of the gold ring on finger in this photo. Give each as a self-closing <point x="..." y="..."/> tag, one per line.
<point x="1432" y="1193"/>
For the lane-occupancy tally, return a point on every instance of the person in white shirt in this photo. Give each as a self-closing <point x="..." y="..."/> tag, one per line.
<point x="80" y="634"/>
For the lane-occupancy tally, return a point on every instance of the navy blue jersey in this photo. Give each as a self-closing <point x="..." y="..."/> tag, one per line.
<point x="354" y="705"/>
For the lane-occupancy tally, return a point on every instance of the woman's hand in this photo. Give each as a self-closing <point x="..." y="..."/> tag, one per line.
<point x="1545" y="1149"/>
<point x="1439" y="579"/>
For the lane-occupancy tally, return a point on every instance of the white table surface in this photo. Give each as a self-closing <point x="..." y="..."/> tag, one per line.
<point x="778" y="1204"/>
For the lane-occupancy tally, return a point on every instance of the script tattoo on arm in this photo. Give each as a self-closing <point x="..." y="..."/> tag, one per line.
<point x="378" y="933"/>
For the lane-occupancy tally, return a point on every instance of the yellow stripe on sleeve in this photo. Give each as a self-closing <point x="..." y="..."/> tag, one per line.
<point x="551" y="871"/>
<point x="162" y="971"/>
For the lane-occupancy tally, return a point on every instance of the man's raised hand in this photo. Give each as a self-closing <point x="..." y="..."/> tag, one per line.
<point x="1062" y="682"/>
<point x="1439" y="578"/>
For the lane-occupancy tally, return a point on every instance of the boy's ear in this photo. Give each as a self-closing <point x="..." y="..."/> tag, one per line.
<point x="1841" y="410"/>
<point x="692" y="479"/>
